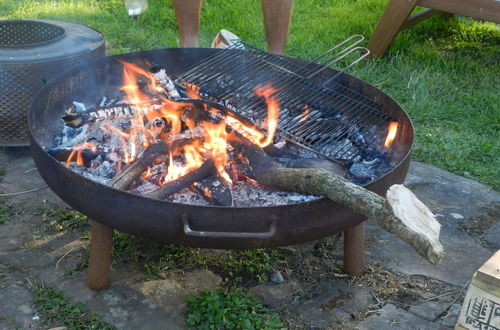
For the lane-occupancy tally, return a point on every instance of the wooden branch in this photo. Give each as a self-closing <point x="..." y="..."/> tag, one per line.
<point x="185" y="181"/>
<point x="133" y="171"/>
<point x="129" y="174"/>
<point x="401" y="214"/>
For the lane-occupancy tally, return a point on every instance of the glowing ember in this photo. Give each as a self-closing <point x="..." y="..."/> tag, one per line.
<point x="391" y="134"/>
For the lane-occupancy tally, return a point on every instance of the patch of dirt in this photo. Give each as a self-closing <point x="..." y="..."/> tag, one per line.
<point x="478" y="226"/>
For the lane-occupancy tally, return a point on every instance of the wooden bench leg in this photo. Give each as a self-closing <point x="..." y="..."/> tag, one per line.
<point x="354" y="250"/>
<point x="101" y="242"/>
<point x="395" y="14"/>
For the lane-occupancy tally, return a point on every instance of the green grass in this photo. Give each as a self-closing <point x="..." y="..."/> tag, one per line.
<point x="55" y="309"/>
<point x="444" y="72"/>
<point x="218" y="309"/>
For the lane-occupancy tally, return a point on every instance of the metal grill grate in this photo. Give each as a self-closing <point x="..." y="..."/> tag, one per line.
<point x="338" y="120"/>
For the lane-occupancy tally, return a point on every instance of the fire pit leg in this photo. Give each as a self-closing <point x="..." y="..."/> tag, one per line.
<point x="101" y="242"/>
<point x="354" y="250"/>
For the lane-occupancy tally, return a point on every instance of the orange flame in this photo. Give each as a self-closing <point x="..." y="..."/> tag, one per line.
<point x="273" y="112"/>
<point x="391" y="134"/>
<point x="192" y="91"/>
<point x="211" y="144"/>
<point x="78" y="151"/>
<point x="305" y="115"/>
<point x="216" y="145"/>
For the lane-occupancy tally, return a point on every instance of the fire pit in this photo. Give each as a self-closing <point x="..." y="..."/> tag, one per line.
<point x="227" y="227"/>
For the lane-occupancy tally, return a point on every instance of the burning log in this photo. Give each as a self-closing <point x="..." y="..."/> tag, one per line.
<point x="214" y="190"/>
<point x="185" y="181"/>
<point x="129" y="174"/>
<point x="401" y="213"/>
<point x="75" y="119"/>
<point x="165" y="82"/>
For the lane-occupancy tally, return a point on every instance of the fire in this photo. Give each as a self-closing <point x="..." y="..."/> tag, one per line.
<point x="156" y="117"/>
<point x="391" y="134"/>
<point x="305" y="115"/>
<point x="273" y="112"/>
<point x="78" y="152"/>
<point x="216" y="144"/>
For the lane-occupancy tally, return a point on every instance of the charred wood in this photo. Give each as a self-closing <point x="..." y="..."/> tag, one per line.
<point x="185" y="181"/>
<point x="124" y="179"/>
<point x="214" y="190"/>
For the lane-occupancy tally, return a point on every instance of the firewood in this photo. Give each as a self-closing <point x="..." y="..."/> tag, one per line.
<point x="185" y="181"/>
<point x="401" y="213"/>
<point x="124" y="179"/>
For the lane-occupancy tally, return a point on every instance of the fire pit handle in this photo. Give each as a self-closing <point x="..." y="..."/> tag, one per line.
<point x="222" y="234"/>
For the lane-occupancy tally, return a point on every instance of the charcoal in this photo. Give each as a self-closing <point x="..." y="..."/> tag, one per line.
<point x="215" y="191"/>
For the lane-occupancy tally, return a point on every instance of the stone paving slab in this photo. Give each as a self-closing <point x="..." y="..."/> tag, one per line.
<point x="456" y="201"/>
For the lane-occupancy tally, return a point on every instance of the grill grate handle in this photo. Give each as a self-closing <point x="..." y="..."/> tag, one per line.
<point x="338" y="52"/>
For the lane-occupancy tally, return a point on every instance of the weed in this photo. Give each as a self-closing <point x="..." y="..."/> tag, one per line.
<point x="62" y="218"/>
<point x="8" y="210"/>
<point x="234" y="266"/>
<point x="52" y="305"/>
<point x="218" y="309"/>
<point x="125" y="245"/>
<point x="2" y="173"/>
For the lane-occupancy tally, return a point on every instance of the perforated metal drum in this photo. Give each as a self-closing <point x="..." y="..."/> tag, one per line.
<point x="31" y="53"/>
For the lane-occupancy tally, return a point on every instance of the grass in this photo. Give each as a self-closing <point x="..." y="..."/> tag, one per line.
<point x="232" y="309"/>
<point x="444" y="72"/>
<point x="55" y="309"/>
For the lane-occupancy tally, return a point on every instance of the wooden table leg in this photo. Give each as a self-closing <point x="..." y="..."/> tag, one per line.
<point x="101" y="242"/>
<point x="354" y="250"/>
<point x="395" y="14"/>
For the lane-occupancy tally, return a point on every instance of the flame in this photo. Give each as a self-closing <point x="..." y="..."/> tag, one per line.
<point x="305" y="115"/>
<point x="192" y="91"/>
<point x="391" y="134"/>
<point x="273" y="112"/>
<point x="78" y="152"/>
<point x="193" y="159"/>
<point x="209" y="138"/>
<point x="216" y="145"/>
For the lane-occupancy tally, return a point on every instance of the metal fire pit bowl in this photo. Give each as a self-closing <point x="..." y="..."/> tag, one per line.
<point x="31" y="53"/>
<point x="191" y="225"/>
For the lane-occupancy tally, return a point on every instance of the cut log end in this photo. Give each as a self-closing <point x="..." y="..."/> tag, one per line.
<point x="420" y="222"/>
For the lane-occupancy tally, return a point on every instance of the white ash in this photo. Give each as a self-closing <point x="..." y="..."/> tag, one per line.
<point x="186" y="196"/>
<point x="247" y="195"/>
<point x="91" y="175"/>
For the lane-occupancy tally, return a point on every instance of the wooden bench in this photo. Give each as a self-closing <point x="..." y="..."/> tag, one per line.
<point x="396" y="17"/>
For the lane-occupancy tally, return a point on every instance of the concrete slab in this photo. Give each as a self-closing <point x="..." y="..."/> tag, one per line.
<point x="445" y="194"/>
<point x="392" y="317"/>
